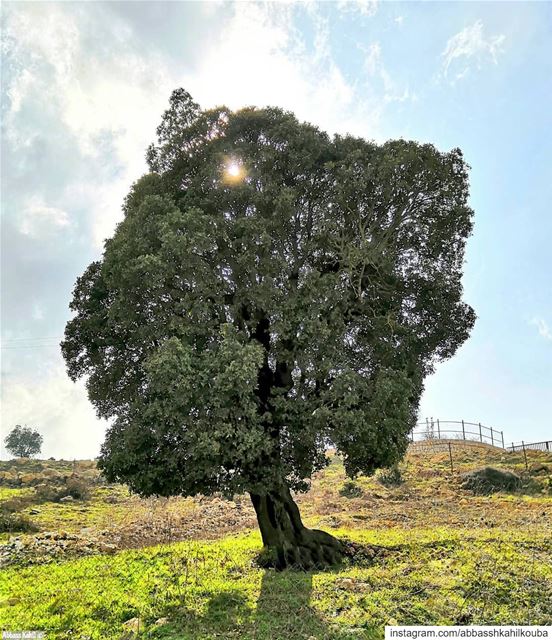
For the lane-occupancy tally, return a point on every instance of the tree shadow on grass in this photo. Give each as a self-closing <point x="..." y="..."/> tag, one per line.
<point x="283" y="612"/>
<point x="225" y="616"/>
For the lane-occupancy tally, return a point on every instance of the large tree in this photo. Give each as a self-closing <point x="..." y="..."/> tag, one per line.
<point x="270" y="291"/>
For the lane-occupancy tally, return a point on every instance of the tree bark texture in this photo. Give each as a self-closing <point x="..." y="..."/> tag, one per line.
<point x="286" y="537"/>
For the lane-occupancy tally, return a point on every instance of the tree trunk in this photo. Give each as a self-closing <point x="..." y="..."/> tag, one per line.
<point x="288" y="542"/>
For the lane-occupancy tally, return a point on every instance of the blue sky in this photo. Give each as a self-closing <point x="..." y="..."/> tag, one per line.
<point x="84" y="85"/>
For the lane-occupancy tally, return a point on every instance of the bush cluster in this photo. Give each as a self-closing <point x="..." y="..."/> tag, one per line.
<point x="54" y="492"/>
<point x="350" y="489"/>
<point x="490" y="480"/>
<point x="11" y="522"/>
<point x="390" y="477"/>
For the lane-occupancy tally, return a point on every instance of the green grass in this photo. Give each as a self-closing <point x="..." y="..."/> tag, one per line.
<point x="7" y="493"/>
<point x="214" y="590"/>
<point x="77" y="514"/>
<point x="441" y="556"/>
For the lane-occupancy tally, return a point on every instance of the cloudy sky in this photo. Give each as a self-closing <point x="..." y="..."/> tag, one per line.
<point x="83" y="88"/>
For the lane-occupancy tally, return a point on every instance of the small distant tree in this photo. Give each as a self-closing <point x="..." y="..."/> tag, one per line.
<point x="23" y="442"/>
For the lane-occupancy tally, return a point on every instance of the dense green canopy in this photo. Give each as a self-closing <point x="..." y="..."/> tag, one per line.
<point x="270" y="290"/>
<point x="23" y="442"/>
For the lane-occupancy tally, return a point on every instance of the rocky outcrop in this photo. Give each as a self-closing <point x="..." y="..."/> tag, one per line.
<point x="51" y="546"/>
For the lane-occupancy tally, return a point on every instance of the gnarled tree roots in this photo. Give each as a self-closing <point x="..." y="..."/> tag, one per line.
<point x="288" y="543"/>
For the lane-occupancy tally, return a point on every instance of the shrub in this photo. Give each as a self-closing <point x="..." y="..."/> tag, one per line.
<point x="489" y="480"/>
<point x="539" y="468"/>
<point x="47" y="493"/>
<point x="77" y="489"/>
<point x="9" y="479"/>
<point x="17" y="503"/>
<point x="14" y="522"/>
<point x="390" y="477"/>
<point x="350" y="490"/>
<point x="74" y="487"/>
<point x="30" y="479"/>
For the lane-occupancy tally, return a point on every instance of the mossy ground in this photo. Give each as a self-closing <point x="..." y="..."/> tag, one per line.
<point x="437" y="555"/>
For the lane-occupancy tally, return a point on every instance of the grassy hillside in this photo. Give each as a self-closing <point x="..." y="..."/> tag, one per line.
<point x="107" y="564"/>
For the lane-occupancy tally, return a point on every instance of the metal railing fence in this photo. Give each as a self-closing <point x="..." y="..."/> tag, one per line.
<point x="438" y="429"/>
<point x="545" y="445"/>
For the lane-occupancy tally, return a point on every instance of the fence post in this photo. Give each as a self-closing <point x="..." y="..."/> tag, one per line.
<point x="463" y="431"/>
<point x="480" y="433"/>
<point x="524" y="455"/>
<point x="547" y="447"/>
<point x="502" y="436"/>
<point x="438" y="429"/>
<point x="450" y="456"/>
<point x="492" y="438"/>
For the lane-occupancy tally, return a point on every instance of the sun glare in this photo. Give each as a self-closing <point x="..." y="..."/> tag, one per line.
<point x="234" y="171"/>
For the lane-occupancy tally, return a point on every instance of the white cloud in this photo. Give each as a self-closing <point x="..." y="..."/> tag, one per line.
<point x="103" y="201"/>
<point x="114" y="94"/>
<point x="101" y="99"/>
<point x="367" y="8"/>
<point x="372" y="62"/>
<point x="375" y="68"/>
<point x="58" y="409"/>
<point x="468" y="46"/>
<point x="20" y="89"/>
<point x="542" y="327"/>
<point x="260" y="59"/>
<point x="38" y="218"/>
